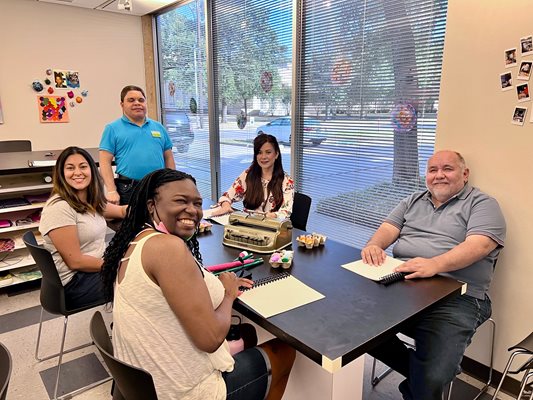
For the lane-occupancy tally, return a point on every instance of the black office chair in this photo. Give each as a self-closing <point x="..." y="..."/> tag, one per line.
<point x="11" y="146"/>
<point x="525" y="347"/>
<point x="53" y="301"/>
<point x="132" y="383"/>
<point x="5" y="370"/>
<point x="300" y="210"/>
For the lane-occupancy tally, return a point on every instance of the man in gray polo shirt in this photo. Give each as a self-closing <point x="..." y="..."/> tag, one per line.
<point x="451" y="229"/>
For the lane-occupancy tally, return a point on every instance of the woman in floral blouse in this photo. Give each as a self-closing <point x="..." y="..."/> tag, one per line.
<point x="263" y="187"/>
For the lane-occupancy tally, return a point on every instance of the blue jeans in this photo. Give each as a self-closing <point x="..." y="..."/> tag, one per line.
<point x="441" y="336"/>
<point x="251" y="375"/>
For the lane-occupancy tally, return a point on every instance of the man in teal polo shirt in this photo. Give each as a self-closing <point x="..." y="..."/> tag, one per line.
<point x="139" y="145"/>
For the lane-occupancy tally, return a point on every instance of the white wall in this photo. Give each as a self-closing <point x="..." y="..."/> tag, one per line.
<point x="474" y="118"/>
<point x="106" y="48"/>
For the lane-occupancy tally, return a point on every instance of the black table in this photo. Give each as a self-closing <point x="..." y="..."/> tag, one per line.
<point x="356" y="315"/>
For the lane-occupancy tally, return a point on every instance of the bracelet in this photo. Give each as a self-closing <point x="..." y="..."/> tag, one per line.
<point x="113" y="191"/>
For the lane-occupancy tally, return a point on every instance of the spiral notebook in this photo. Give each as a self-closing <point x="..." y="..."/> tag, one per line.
<point x="383" y="274"/>
<point x="277" y="294"/>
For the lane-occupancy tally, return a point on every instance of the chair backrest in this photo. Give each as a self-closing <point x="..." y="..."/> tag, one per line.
<point x="132" y="382"/>
<point x="10" y="146"/>
<point x="52" y="291"/>
<point x="300" y="211"/>
<point x="5" y="370"/>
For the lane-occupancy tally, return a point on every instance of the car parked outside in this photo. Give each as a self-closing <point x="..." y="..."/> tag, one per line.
<point x="179" y="129"/>
<point x="280" y="128"/>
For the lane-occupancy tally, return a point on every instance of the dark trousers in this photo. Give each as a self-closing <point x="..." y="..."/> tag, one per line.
<point x="83" y="289"/>
<point x="441" y="336"/>
<point x="125" y="188"/>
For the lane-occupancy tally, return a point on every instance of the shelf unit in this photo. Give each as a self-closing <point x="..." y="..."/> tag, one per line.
<point x="17" y="185"/>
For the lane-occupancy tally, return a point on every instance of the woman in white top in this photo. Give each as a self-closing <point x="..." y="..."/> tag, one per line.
<point x="73" y="226"/>
<point x="171" y="316"/>
<point x="263" y="187"/>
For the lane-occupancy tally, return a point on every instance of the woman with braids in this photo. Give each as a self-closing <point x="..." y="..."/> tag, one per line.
<point x="73" y="226"/>
<point x="264" y="187"/>
<point x="171" y="316"/>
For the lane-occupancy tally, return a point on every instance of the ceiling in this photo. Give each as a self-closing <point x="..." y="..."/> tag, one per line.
<point x="138" y="7"/>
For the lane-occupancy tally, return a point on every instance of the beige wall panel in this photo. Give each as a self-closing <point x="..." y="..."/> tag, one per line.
<point x="106" y="48"/>
<point x="475" y="119"/>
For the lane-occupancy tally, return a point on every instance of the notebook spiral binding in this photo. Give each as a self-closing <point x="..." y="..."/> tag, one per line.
<point x="268" y="279"/>
<point x="391" y="278"/>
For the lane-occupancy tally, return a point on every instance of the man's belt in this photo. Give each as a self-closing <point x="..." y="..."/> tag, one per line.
<point x="125" y="179"/>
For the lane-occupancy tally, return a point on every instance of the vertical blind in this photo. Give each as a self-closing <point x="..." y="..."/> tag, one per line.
<point x="370" y="88"/>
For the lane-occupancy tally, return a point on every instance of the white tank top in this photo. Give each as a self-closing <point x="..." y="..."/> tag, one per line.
<point x="147" y="334"/>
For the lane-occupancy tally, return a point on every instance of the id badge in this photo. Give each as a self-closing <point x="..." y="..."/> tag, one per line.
<point x="156" y="134"/>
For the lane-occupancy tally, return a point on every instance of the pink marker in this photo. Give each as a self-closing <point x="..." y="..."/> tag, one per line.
<point x="220" y="267"/>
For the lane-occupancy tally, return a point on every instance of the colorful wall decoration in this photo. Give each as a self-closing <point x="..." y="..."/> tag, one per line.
<point x="60" y="78"/>
<point x="73" y="79"/>
<point x="56" y="108"/>
<point x="512" y="79"/>
<point x="52" y="109"/>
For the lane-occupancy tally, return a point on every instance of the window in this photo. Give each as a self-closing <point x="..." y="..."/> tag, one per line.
<point x="252" y="50"/>
<point x="368" y="88"/>
<point x="366" y="94"/>
<point x="183" y="88"/>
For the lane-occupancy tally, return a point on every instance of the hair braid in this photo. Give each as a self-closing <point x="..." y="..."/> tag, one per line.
<point x="194" y="247"/>
<point x="136" y="219"/>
